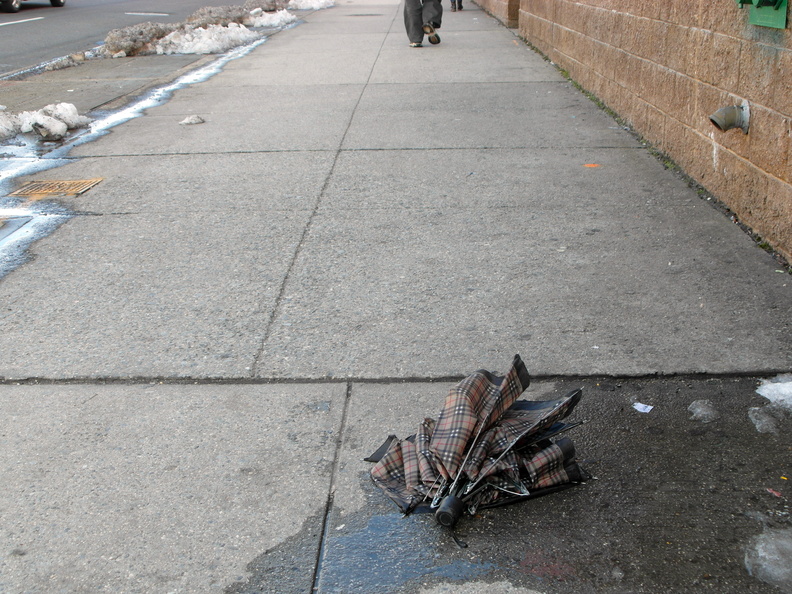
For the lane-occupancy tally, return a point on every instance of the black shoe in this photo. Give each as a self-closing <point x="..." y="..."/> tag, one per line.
<point x="453" y="6"/>
<point x="434" y="38"/>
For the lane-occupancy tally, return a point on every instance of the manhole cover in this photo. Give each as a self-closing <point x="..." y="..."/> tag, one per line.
<point x="56" y="188"/>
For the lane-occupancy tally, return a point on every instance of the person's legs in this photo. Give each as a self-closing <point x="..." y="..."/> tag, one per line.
<point x="432" y="13"/>
<point x="413" y="20"/>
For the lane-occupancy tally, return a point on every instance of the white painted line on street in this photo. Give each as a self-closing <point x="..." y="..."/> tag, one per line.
<point x="147" y="13"/>
<point x="18" y="22"/>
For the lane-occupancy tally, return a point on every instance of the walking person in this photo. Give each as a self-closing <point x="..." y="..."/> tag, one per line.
<point x="422" y="17"/>
<point x="456" y="5"/>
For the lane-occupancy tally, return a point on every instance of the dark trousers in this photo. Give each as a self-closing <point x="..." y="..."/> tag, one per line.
<point x="418" y="13"/>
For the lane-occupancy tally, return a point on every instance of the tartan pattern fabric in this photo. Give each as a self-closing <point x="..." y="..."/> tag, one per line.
<point x="474" y="404"/>
<point x="389" y="475"/>
<point x="546" y="468"/>
<point x="414" y="469"/>
<point x="426" y="458"/>
<point x="515" y="424"/>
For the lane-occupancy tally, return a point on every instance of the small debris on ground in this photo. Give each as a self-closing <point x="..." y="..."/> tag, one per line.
<point x="703" y="411"/>
<point x="193" y="119"/>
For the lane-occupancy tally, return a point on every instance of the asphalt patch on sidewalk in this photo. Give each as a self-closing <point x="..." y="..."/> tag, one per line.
<point x="676" y="505"/>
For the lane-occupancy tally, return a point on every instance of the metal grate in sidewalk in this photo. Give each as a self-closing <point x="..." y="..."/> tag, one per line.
<point x="56" y="188"/>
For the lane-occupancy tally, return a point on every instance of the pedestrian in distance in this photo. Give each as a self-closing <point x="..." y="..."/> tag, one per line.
<point x="422" y="17"/>
<point x="456" y="5"/>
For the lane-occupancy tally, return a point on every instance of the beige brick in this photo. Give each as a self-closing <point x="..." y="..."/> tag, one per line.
<point x="629" y="74"/>
<point x="542" y="8"/>
<point x="538" y="32"/>
<point x="706" y="70"/>
<point x="650" y="39"/>
<point x="630" y="37"/>
<point x="572" y="15"/>
<point x="620" y="60"/>
<point x="682" y="103"/>
<point x="649" y="123"/>
<point x="679" y="49"/>
<point x="724" y="60"/>
<point x="643" y="8"/>
<point x="724" y="17"/>
<point x="691" y="151"/>
<point x="769" y="142"/>
<point x="598" y="86"/>
<point x="744" y="189"/>
<point x="758" y="66"/>
<point x="698" y="42"/>
<point x="659" y="87"/>
<point x="564" y="40"/>
<point x="607" y="58"/>
<point x="778" y="215"/>
<point x="621" y="100"/>
<point x="708" y="100"/>
<point x="782" y="83"/>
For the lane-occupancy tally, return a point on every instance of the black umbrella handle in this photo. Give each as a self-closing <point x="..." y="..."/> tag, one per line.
<point x="450" y="511"/>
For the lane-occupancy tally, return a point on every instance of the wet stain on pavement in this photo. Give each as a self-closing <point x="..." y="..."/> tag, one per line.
<point x="389" y="552"/>
<point x="285" y="569"/>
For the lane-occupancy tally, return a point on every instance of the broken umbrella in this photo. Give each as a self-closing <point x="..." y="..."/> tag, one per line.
<point x="486" y="449"/>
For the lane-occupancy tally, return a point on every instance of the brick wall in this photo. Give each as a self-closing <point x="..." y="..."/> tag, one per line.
<point x="665" y="66"/>
<point x="506" y="11"/>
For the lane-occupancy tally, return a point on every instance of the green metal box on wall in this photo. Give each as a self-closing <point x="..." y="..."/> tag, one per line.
<point x="767" y="13"/>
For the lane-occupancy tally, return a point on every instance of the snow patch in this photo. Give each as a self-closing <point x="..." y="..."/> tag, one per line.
<point x="778" y="390"/>
<point x="214" y="39"/>
<point x="768" y="418"/>
<point x="210" y="30"/>
<point x="270" y="19"/>
<point x="767" y="558"/>
<point x="51" y="122"/>
<point x="310" y="4"/>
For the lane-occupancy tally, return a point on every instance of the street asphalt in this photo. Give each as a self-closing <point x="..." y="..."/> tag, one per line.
<point x="195" y="363"/>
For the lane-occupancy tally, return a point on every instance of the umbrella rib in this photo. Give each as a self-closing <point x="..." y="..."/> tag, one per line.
<point x="513" y="443"/>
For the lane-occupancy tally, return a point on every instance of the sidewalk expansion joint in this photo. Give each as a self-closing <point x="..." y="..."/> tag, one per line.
<point x="439" y="379"/>
<point x="309" y="225"/>
<point x="331" y="490"/>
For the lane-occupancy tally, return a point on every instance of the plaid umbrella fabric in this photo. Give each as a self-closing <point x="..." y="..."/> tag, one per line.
<point x="470" y="408"/>
<point x="484" y="437"/>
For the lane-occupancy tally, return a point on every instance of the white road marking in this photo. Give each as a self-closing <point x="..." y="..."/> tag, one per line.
<point x="18" y="22"/>
<point x="147" y="13"/>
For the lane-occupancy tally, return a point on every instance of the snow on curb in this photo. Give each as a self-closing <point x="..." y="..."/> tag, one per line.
<point x="51" y="122"/>
<point x="210" y="30"/>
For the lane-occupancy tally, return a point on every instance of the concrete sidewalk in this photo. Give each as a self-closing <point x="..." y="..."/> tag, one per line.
<point x="196" y="363"/>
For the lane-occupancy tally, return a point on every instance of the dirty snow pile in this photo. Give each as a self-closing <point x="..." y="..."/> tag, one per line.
<point x="214" y="39"/>
<point x="310" y="4"/>
<point x="778" y="390"/>
<point x="770" y="417"/>
<point x="51" y="122"/>
<point x="210" y="30"/>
